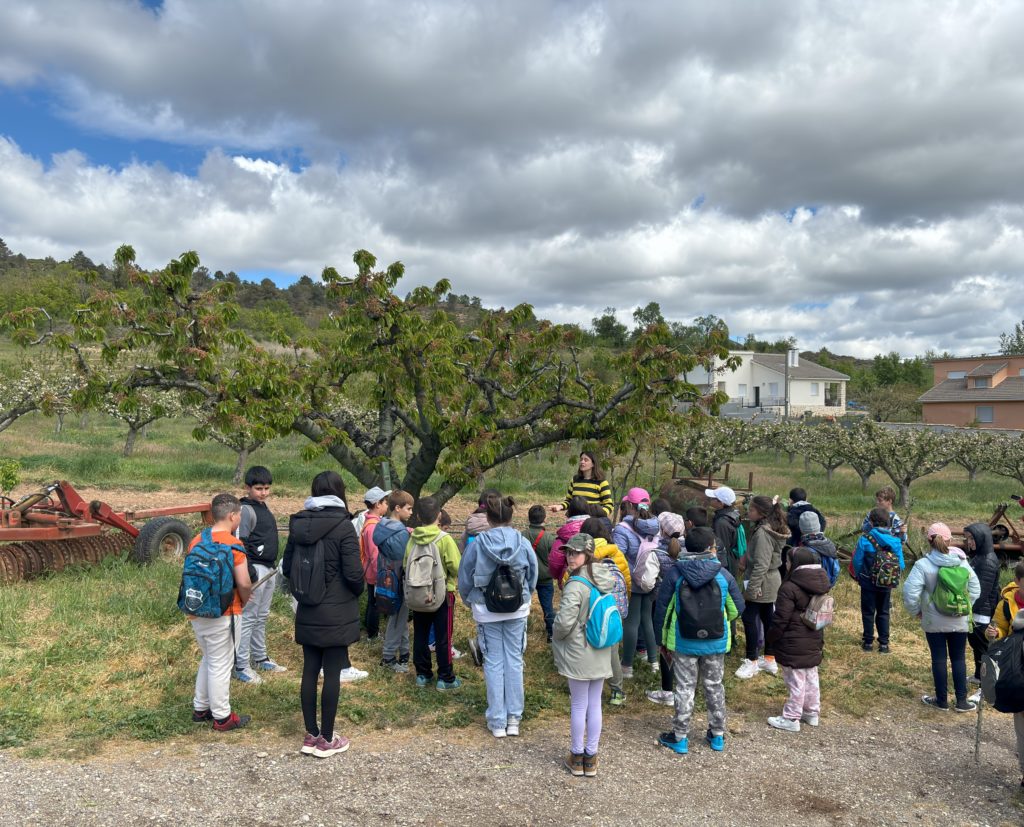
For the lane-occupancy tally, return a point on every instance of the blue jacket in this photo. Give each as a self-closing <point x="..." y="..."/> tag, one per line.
<point x="391" y="537"/>
<point x="698" y="569"/>
<point x="628" y="540"/>
<point x="501" y="544"/>
<point x="864" y="556"/>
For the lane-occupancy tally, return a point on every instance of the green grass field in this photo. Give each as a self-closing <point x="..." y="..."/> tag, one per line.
<point x="99" y="655"/>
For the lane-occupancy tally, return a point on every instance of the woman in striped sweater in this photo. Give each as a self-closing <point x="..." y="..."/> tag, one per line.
<point x="590" y="484"/>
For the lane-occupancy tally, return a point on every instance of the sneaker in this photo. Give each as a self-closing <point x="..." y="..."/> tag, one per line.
<point x="590" y="765"/>
<point x="809" y="719"/>
<point x="932" y="701"/>
<point x="422" y="680"/>
<point x="233" y="721"/>
<point x="201" y="716"/>
<point x="373" y="640"/>
<point x="867" y="647"/>
<point x="883" y="648"/>
<point x="768" y="665"/>
<point x="391" y="663"/>
<point x="641" y="652"/>
<point x="309" y="744"/>
<point x="574" y="763"/>
<point x="976" y="697"/>
<point x="669" y="740"/>
<point x="325" y="749"/>
<point x="498" y="732"/>
<point x="447" y="686"/>
<point x="747" y="670"/>
<point x="966" y="705"/>
<point x="456" y="653"/>
<point x="618" y="697"/>
<point x="512" y="728"/>
<point x="627" y="672"/>
<point x="352" y="674"/>
<point x="716" y="742"/>
<point x="661" y="696"/>
<point x="655" y="666"/>
<point x="975" y="680"/>
<point x="247" y="676"/>
<point x="778" y="722"/>
<point x="475" y="653"/>
<point x="269" y="666"/>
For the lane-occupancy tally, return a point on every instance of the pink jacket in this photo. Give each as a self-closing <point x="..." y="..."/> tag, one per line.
<point x="368" y="550"/>
<point x="556" y="557"/>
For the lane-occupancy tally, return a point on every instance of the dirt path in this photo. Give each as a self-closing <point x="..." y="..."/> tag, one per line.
<point x="902" y="768"/>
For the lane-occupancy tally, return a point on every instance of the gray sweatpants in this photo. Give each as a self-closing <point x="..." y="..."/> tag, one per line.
<point x="252" y="640"/>
<point x="711" y="669"/>
<point x="396" y="635"/>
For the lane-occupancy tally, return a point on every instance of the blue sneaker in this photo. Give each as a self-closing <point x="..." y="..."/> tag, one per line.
<point x="716" y="742"/>
<point x="445" y="686"/>
<point x="247" y="676"/>
<point x="422" y="680"/>
<point x="270" y="666"/>
<point x="677" y="745"/>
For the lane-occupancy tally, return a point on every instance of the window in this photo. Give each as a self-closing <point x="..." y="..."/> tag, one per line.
<point x="721" y="386"/>
<point x="773" y="389"/>
<point x="956" y="374"/>
<point x="814" y="388"/>
<point x="743" y="391"/>
<point x="982" y="382"/>
<point x="1020" y="372"/>
<point x="983" y="413"/>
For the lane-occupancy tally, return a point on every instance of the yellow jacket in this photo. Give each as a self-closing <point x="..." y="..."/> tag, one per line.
<point x="602" y="549"/>
<point x="1006" y="609"/>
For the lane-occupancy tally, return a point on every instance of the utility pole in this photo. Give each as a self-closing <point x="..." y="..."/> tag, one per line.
<point x="792" y="360"/>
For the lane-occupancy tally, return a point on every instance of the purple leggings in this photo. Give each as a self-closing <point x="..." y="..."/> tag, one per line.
<point x="585" y="714"/>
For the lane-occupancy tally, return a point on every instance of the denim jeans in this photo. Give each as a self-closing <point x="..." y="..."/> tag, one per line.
<point x="503" y="645"/>
<point x="956" y="644"/>
<point x="874" y="611"/>
<point x="546" y="596"/>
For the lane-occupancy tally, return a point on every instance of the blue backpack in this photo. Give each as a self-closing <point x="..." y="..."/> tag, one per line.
<point x="604" y="623"/>
<point x="831" y="567"/>
<point x="207" y="578"/>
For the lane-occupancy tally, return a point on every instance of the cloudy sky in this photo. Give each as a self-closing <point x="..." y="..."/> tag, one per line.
<point x="851" y="174"/>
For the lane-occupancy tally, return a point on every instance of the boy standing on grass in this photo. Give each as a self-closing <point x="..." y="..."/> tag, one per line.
<point x="376" y="500"/>
<point x="216" y="636"/>
<point x="885" y="498"/>
<point x="257" y="530"/>
<point x="875" y="598"/>
<point x="697" y="599"/>
<point x="541" y="541"/>
<point x="391" y="536"/>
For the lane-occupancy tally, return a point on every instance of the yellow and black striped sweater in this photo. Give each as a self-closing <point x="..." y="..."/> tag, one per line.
<point x="593" y="492"/>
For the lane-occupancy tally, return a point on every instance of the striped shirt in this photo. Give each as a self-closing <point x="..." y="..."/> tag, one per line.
<point x="593" y="492"/>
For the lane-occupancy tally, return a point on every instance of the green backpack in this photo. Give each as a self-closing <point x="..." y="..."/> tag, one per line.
<point x="741" y="541"/>
<point x="950" y="596"/>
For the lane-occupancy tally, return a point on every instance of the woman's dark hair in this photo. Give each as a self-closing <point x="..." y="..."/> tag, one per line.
<point x="770" y="512"/>
<point x="326" y="483"/>
<point x="597" y="527"/>
<point x="578" y="507"/>
<point x="596" y="474"/>
<point x="499" y="509"/>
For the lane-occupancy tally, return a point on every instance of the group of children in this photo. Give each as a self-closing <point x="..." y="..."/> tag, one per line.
<point x="679" y="587"/>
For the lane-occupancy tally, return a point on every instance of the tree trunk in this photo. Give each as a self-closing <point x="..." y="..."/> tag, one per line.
<point x="828" y="473"/>
<point x="243" y="458"/>
<point x="972" y="474"/>
<point x="807" y="466"/>
<point x="421" y="466"/>
<point x="904" y="494"/>
<point x="129" y="442"/>
<point x="864" y="480"/>
<point x="791" y="455"/>
<point x="59" y="428"/>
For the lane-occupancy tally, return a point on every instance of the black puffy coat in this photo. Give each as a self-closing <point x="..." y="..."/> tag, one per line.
<point x="986" y="566"/>
<point x="796" y="644"/>
<point x="335" y="620"/>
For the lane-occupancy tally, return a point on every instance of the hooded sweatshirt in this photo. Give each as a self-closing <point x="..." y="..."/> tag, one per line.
<point x="796" y="644"/>
<point x="726" y="524"/>
<point x="793" y="520"/>
<point x="556" y="557"/>
<point x="446" y="547"/>
<point x="864" y="555"/>
<point x="1011" y="602"/>
<point x="764" y="558"/>
<point x="574" y="657"/>
<point x="698" y="570"/>
<point x="627" y="534"/>
<point x="920" y="585"/>
<point x="501" y="544"/>
<point x="986" y="565"/>
<point x="335" y="620"/>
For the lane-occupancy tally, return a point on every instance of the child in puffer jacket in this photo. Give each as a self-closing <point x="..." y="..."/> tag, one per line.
<point x="576" y="515"/>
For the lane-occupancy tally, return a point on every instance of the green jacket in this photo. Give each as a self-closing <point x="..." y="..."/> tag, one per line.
<point x="542" y="549"/>
<point x="446" y="546"/>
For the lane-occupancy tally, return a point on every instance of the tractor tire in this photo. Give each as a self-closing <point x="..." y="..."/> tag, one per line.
<point x="162" y="537"/>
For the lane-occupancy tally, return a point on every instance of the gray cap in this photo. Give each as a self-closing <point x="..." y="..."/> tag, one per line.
<point x="374" y="495"/>
<point x="809" y="523"/>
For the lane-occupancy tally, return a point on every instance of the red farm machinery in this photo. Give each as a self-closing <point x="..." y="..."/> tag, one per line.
<point x="55" y="527"/>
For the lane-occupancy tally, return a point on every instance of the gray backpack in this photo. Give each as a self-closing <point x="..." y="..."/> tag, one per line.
<point x="424" y="578"/>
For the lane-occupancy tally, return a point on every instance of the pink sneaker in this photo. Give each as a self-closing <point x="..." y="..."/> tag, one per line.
<point x="325" y="749"/>
<point x="308" y="744"/>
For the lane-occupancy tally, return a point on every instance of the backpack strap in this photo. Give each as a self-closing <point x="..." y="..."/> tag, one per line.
<point x="874" y="542"/>
<point x="585" y="607"/>
<point x="536" y="540"/>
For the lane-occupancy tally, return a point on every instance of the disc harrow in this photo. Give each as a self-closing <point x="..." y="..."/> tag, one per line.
<point x="23" y="561"/>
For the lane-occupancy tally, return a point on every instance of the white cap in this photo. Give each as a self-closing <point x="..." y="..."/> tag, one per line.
<point x="724" y="494"/>
<point x="375" y="495"/>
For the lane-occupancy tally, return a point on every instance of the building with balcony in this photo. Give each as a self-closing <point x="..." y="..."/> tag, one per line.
<point x="986" y="391"/>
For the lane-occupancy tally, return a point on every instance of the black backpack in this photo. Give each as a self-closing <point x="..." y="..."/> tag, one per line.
<point x="307" y="576"/>
<point x="503" y="593"/>
<point x="699" y="611"/>
<point x="1002" y="673"/>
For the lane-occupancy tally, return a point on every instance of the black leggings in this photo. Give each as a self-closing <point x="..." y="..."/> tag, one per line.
<point x="753" y="611"/>
<point x="332" y="660"/>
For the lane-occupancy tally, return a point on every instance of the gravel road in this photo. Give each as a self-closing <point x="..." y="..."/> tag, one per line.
<point x="907" y="767"/>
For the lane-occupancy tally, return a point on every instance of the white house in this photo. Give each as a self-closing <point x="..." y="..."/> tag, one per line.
<point x="759" y="382"/>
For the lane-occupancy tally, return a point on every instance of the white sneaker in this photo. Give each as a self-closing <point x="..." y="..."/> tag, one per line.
<point x="655" y="666"/>
<point x="247" y="676"/>
<point x="779" y="722"/>
<point x="352" y="674"/>
<point x="500" y="733"/>
<point x="747" y="670"/>
<point x="512" y="728"/>
<point x="975" y="698"/>
<point x="661" y="696"/>
<point x="627" y="672"/>
<point x="456" y="654"/>
<point x="769" y="666"/>
<point x="810" y="720"/>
